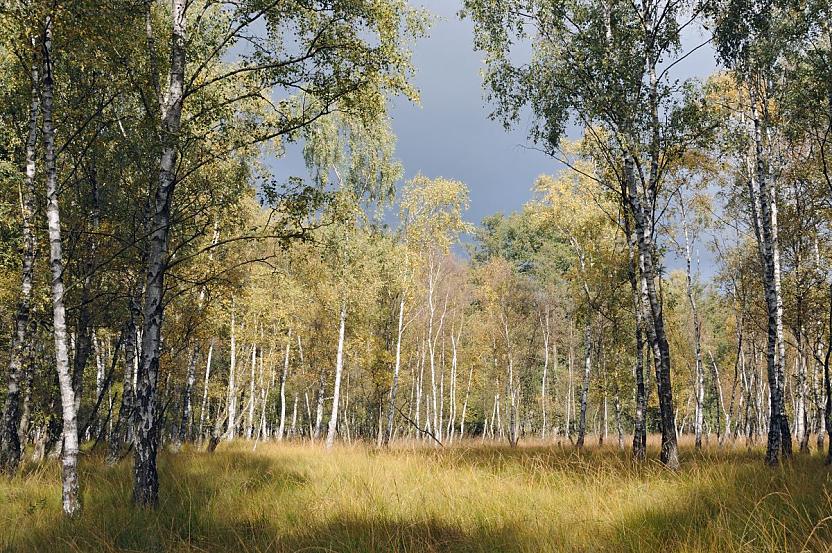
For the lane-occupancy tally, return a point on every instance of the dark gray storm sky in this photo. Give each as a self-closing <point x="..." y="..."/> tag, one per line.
<point x="450" y="134"/>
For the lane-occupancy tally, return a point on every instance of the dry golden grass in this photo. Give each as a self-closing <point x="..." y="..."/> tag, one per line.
<point x="415" y="498"/>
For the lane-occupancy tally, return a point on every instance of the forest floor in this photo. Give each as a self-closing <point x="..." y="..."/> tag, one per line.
<point x="463" y="498"/>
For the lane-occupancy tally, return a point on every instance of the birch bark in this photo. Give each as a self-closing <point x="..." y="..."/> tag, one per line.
<point x="146" y="480"/>
<point x="71" y="501"/>
<point x="339" y="365"/>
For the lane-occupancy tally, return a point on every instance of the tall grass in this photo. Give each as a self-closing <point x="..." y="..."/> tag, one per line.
<point x="416" y="498"/>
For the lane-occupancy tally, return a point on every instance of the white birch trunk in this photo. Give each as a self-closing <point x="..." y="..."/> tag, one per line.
<point x="205" y="383"/>
<point x="71" y="501"/>
<point x="339" y="366"/>
<point x="146" y="481"/>
<point x="283" y="376"/>
<point x="252" y="393"/>
<point x="232" y="386"/>
<point x="396" y="367"/>
<point x="545" y="326"/>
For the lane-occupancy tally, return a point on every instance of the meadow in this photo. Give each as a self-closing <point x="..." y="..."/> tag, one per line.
<point x="470" y="497"/>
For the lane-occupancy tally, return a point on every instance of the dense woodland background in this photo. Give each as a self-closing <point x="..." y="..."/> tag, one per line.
<point x="160" y="289"/>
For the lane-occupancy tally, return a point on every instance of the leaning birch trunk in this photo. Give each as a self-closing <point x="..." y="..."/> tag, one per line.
<point x="205" y="389"/>
<point x="146" y="485"/>
<point x="396" y="367"/>
<point x="451" y="426"/>
<point x="465" y="403"/>
<point x="10" y="448"/>
<point x="71" y="501"/>
<point x="339" y="366"/>
<point x="282" y="428"/>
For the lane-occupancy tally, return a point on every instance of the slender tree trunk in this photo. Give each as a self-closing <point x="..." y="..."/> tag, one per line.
<point x="252" y="393"/>
<point x="451" y="427"/>
<point x="283" y="376"/>
<point x="819" y="398"/>
<point x="465" y="403"/>
<point x="570" y="387"/>
<point x="71" y="501"/>
<point x="801" y="416"/>
<point x="123" y="430"/>
<point x="639" y="422"/>
<point x="618" y="422"/>
<point x="433" y="336"/>
<point x="308" y="414"/>
<point x="205" y="383"/>
<point x="585" y="385"/>
<point x="265" y="389"/>
<point x="190" y="378"/>
<point x="699" y="371"/>
<point x="294" y="418"/>
<point x="146" y="486"/>
<point x="319" y="408"/>
<point x="512" y="389"/>
<point x="231" y="400"/>
<point x="100" y="373"/>
<point x="730" y="414"/>
<point x="543" y="398"/>
<point x="721" y="402"/>
<point x="339" y="366"/>
<point x="396" y="367"/>
<point x="764" y="217"/>
<point x="655" y="326"/>
<point x="28" y="378"/>
<point x="10" y="446"/>
<point x="827" y="383"/>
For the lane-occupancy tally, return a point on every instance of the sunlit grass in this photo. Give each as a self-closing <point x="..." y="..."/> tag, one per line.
<point x="418" y="498"/>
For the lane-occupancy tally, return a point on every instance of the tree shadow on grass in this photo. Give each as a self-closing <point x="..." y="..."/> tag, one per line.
<point x="345" y="534"/>
<point x="734" y="505"/>
<point x="238" y="502"/>
<point x="195" y="500"/>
